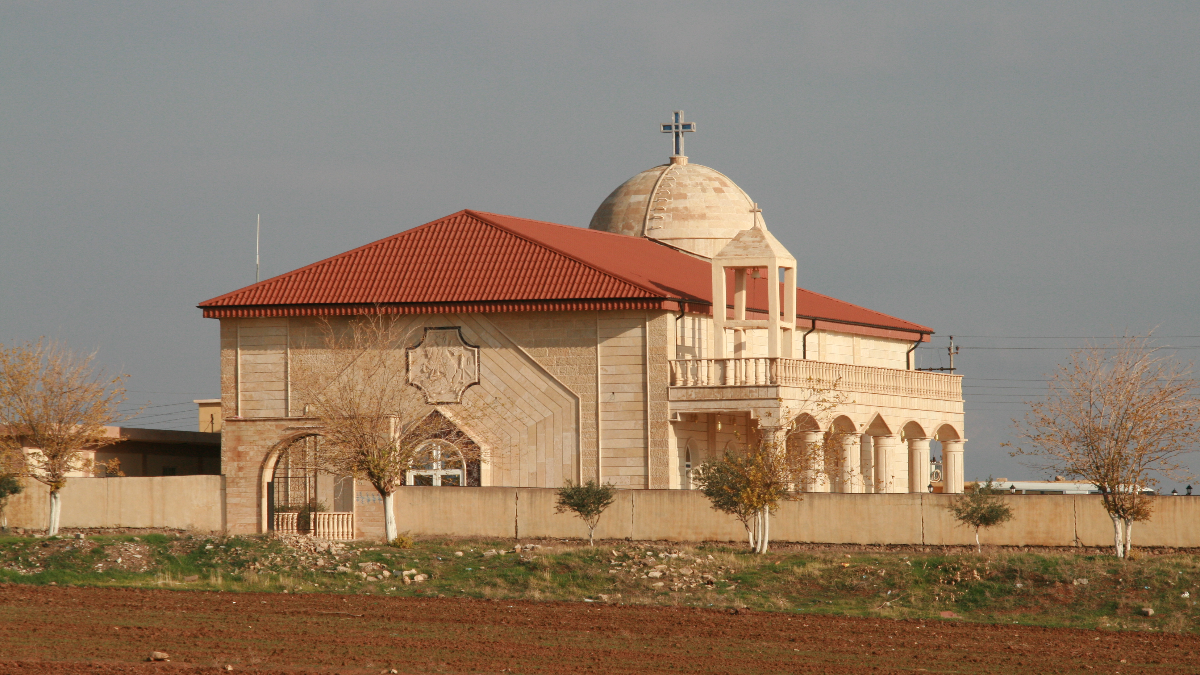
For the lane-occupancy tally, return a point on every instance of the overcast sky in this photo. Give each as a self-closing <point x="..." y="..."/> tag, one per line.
<point x="1002" y="172"/>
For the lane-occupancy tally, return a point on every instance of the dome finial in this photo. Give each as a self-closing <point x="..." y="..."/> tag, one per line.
<point x="678" y="128"/>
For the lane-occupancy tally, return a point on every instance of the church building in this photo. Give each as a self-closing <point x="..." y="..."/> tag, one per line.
<point x="601" y="345"/>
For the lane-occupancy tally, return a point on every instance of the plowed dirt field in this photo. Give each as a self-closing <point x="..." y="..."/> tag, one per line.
<point x="78" y="630"/>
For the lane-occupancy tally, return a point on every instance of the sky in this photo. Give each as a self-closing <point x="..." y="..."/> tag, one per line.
<point x="1021" y="175"/>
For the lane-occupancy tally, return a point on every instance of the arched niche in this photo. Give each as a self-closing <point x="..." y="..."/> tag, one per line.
<point x="913" y="429"/>
<point x="947" y="432"/>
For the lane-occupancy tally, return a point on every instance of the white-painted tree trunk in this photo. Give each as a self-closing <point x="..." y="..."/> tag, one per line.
<point x="765" y="540"/>
<point x="389" y="516"/>
<point x="55" y="512"/>
<point x="1128" y="537"/>
<point x="978" y="546"/>
<point x="1118" y="538"/>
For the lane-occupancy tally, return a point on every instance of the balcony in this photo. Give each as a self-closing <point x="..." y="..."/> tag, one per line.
<point x="781" y="372"/>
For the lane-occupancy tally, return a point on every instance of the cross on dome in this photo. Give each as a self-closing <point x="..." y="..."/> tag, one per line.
<point x="678" y="128"/>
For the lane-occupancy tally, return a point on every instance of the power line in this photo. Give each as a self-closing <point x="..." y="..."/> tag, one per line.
<point x="179" y="393"/>
<point x="1163" y="348"/>
<point x="164" y="405"/>
<point x="1074" y="337"/>
<point x="1000" y="386"/>
<point x="175" y="421"/>
<point x="165" y="414"/>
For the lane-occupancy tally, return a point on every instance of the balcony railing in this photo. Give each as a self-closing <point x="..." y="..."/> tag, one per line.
<point x="766" y="372"/>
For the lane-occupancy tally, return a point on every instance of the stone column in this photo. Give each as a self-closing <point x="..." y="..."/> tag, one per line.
<point x="774" y="437"/>
<point x="849" y="475"/>
<point x="918" y="465"/>
<point x="952" y="466"/>
<point x="885" y="449"/>
<point x="816" y="479"/>
<point x="866" y="460"/>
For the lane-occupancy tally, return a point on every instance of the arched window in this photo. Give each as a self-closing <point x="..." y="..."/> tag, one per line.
<point x="685" y="477"/>
<point x="442" y="465"/>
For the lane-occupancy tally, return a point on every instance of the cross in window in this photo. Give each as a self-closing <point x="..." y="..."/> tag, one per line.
<point x="678" y="127"/>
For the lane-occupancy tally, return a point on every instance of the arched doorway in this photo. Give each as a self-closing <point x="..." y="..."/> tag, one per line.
<point x="303" y="498"/>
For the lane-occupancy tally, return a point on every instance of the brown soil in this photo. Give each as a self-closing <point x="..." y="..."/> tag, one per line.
<point x="77" y="630"/>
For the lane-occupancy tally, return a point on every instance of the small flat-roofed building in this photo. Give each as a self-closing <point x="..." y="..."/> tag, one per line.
<point x="160" y="452"/>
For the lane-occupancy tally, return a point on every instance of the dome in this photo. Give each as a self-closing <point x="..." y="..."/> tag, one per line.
<point x="688" y="206"/>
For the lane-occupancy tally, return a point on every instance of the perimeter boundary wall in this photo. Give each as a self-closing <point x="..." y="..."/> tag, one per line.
<point x="196" y="503"/>
<point x="685" y="515"/>
<point x="174" y="502"/>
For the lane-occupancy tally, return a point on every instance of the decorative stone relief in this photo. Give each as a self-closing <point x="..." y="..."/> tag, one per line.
<point x="443" y="365"/>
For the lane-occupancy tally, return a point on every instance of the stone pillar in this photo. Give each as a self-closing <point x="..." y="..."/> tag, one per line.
<point x="885" y="478"/>
<point x="900" y="467"/>
<point x="849" y="475"/>
<point x="774" y="437"/>
<point x="952" y="466"/>
<point x="866" y="460"/>
<point x="918" y="465"/>
<point x="816" y="480"/>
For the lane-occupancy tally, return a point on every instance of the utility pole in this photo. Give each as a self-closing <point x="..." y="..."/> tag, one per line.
<point x="257" y="232"/>
<point x="952" y="350"/>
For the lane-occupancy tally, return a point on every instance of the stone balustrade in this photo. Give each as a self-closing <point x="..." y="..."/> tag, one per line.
<point x="334" y="525"/>
<point x="767" y="372"/>
<point x="287" y="523"/>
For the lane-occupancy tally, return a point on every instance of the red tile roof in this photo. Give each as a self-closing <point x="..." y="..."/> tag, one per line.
<point x="482" y="262"/>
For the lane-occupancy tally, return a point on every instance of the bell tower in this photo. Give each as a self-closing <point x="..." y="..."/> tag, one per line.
<point x="755" y="253"/>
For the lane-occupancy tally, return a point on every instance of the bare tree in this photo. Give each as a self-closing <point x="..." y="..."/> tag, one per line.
<point x="54" y="405"/>
<point x="1115" y="416"/>
<point x="374" y="424"/>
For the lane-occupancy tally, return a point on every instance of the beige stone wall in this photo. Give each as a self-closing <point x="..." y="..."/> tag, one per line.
<point x="246" y="453"/>
<point x="262" y="368"/>
<point x="179" y="502"/>
<point x="694" y="336"/>
<point x="194" y="502"/>
<point x="573" y="385"/>
<point x="685" y="515"/>
<point x="661" y="447"/>
<point x="564" y="344"/>
<point x="622" y="412"/>
<point x="881" y="352"/>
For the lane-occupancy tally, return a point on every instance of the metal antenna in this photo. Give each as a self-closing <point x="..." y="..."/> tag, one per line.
<point x="952" y="351"/>
<point x="257" y="232"/>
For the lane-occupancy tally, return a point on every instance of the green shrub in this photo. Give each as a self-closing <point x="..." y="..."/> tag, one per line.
<point x="588" y="501"/>
<point x="981" y="508"/>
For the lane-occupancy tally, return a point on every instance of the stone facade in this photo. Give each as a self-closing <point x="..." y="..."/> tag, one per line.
<point x="587" y="395"/>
